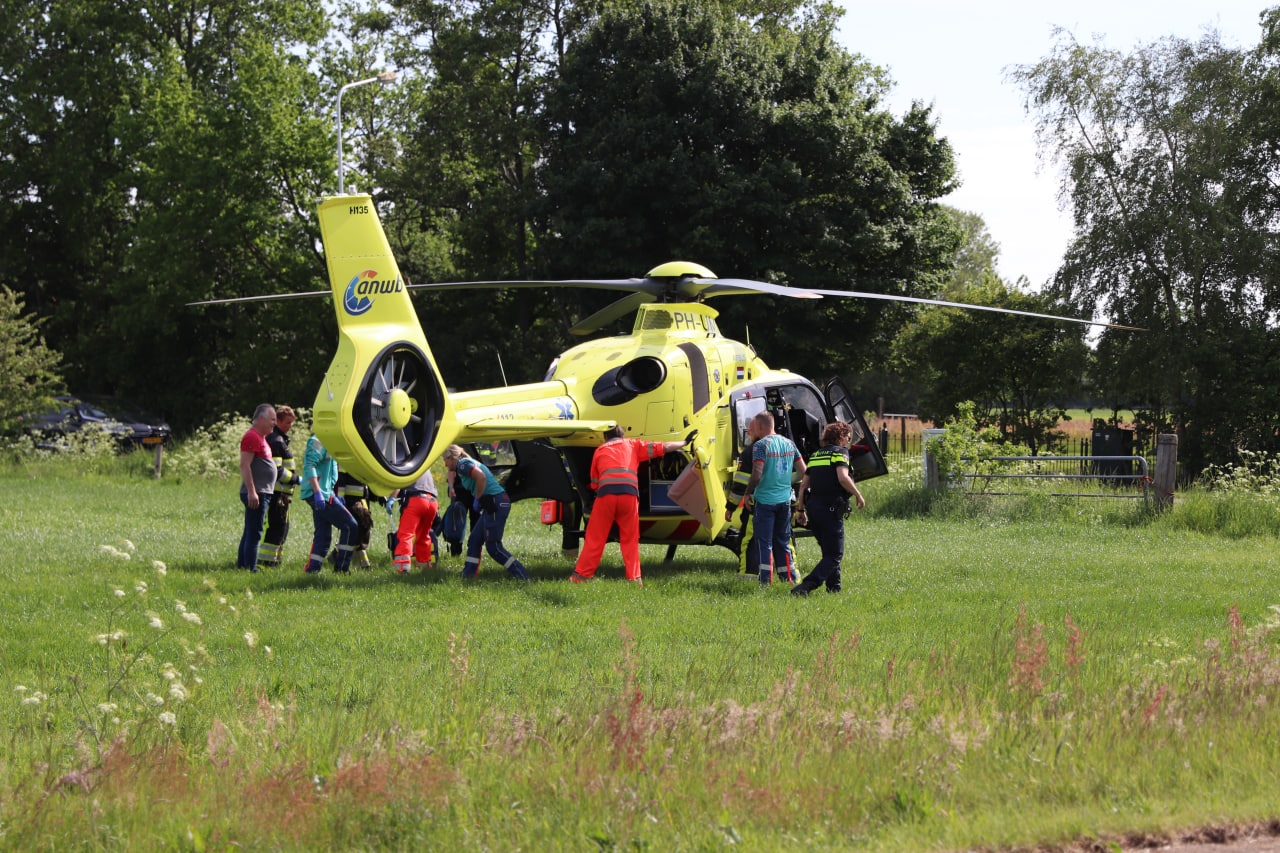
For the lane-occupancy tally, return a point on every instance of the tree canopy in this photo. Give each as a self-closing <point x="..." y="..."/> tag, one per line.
<point x="1168" y="156"/>
<point x="161" y="155"/>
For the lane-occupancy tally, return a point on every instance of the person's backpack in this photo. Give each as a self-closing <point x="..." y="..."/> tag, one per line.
<point x="454" y="527"/>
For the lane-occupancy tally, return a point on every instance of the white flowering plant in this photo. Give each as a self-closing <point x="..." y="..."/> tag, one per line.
<point x="145" y="666"/>
<point x="1257" y="473"/>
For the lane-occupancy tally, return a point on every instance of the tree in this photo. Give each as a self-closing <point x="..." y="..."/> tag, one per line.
<point x="1166" y="156"/>
<point x="757" y="147"/>
<point x="28" y="368"/>
<point x="1018" y="372"/>
<point x="162" y="154"/>
<point x="464" y="188"/>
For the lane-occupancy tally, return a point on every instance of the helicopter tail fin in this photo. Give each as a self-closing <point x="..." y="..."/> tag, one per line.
<point x="382" y="410"/>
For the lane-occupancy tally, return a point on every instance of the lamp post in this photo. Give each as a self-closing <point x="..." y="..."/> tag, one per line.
<point x="384" y="77"/>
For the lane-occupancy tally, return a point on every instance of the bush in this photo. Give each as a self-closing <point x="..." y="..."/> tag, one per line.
<point x="214" y="450"/>
<point x="92" y="450"/>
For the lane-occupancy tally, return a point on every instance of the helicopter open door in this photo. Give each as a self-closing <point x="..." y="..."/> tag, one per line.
<point x="865" y="458"/>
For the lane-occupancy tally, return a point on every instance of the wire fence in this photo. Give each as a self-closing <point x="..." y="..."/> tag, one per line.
<point x="896" y="446"/>
<point x="1078" y="476"/>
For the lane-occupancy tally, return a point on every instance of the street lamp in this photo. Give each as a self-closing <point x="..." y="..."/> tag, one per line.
<point x="384" y="77"/>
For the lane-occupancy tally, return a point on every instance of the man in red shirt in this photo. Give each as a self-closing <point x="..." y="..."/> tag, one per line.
<point x="257" y="482"/>
<point x="615" y="478"/>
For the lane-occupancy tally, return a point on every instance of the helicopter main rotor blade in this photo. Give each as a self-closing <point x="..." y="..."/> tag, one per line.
<point x="633" y="285"/>
<point x="611" y="312"/>
<point x="708" y="287"/>
<point x="268" y="297"/>
<point x="970" y="307"/>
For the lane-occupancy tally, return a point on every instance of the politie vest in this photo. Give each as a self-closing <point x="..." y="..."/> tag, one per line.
<point x="823" y="472"/>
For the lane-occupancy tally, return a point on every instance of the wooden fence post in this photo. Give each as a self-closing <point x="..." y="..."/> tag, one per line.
<point x="1166" y="470"/>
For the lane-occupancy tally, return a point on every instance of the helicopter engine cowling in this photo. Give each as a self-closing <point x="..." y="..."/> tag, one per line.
<point x="628" y="381"/>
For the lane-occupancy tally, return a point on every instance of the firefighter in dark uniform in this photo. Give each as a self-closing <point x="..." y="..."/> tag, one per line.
<point x="825" y="493"/>
<point x="271" y="550"/>
<point x="355" y="495"/>
<point x="736" y="495"/>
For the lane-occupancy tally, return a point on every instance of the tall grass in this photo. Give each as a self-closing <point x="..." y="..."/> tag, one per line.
<point x="989" y="678"/>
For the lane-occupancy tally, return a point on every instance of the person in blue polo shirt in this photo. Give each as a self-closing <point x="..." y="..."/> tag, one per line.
<point x="774" y="458"/>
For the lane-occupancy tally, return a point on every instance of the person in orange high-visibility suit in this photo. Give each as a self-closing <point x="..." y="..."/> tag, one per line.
<point x="615" y="478"/>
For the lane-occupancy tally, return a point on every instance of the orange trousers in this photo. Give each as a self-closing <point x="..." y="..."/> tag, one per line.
<point x="413" y="537"/>
<point x="608" y="509"/>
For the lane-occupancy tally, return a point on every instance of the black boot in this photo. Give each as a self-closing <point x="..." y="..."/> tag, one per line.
<point x="805" y="587"/>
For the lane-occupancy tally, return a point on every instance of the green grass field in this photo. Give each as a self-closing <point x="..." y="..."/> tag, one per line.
<point x="988" y="679"/>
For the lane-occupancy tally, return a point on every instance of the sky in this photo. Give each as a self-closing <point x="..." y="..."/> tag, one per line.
<point x="954" y="55"/>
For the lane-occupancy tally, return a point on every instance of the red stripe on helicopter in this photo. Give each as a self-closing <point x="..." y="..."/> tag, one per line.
<point x="683" y="531"/>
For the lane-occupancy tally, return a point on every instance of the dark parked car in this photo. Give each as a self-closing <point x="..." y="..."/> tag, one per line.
<point x="131" y="428"/>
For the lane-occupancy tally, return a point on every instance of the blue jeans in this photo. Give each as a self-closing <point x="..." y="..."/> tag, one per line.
<point x="247" y="558"/>
<point x="331" y="515"/>
<point x="487" y="533"/>
<point x="773" y="535"/>
<point x="826" y="520"/>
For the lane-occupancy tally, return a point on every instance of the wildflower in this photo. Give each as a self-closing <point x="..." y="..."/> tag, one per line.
<point x="168" y="672"/>
<point x="177" y="692"/>
<point x="155" y="621"/>
<point x="167" y="718"/>
<point x="153" y="699"/>
<point x="179" y="606"/>
<point x="113" y="637"/>
<point x="250" y="638"/>
<point x="119" y="593"/>
<point x="34" y="699"/>
<point x="109" y="549"/>
<point x="128" y="546"/>
<point x="140" y="587"/>
<point x="106" y="707"/>
<point x="268" y="651"/>
<point x="161" y="568"/>
<point x="248" y="593"/>
<point x="222" y="599"/>
<point x="19" y="688"/>
<point x="192" y="618"/>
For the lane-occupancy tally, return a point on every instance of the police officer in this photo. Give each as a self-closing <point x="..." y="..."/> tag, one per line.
<point x="271" y="551"/>
<point x="825" y="492"/>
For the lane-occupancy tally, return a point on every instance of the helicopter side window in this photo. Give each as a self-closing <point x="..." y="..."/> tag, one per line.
<point x="743" y="411"/>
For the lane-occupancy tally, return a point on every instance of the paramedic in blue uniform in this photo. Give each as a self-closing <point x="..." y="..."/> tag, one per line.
<point x="493" y="504"/>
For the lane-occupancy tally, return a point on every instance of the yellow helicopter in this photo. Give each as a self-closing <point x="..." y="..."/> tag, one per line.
<point x="384" y="413"/>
